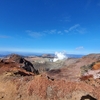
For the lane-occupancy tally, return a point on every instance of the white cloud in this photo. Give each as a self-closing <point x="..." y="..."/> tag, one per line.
<point x="28" y="31"/>
<point x="52" y="31"/>
<point x="80" y="48"/>
<point x="59" y="32"/>
<point x="66" y="19"/>
<point x="43" y="33"/>
<point x="4" y="36"/>
<point x="72" y="28"/>
<point x="36" y="34"/>
<point x="76" y="29"/>
<point x="66" y="31"/>
<point x="81" y="30"/>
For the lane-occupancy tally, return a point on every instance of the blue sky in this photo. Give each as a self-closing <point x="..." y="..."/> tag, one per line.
<point x="46" y="26"/>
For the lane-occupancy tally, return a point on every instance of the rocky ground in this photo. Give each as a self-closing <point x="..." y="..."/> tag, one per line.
<point x="38" y="78"/>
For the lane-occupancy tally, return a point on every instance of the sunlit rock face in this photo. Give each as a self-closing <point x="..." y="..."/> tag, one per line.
<point x="23" y="63"/>
<point x="59" y="56"/>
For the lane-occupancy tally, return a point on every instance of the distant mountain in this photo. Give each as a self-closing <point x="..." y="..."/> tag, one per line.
<point x="2" y="55"/>
<point x="40" y="54"/>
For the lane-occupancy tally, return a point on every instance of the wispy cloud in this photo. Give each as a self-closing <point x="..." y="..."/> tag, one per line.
<point x="35" y="34"/>
<point x="76" y="29"/>
<point x="66" y="31"/>
<point x="43" y="33"/>
<point x="72" y="28"/>
<point x="28" y="31"/>
<point x="81" y="30"/>
<point x="4" y="36"/>
<point x="66" y="19"/>
<point x="60" y="32"/>
<point x="79" y="48"/>
<point x="54" y="32"/>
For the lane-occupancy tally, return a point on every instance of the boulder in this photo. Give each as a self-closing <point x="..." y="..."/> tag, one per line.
<point x="28" y="66"/>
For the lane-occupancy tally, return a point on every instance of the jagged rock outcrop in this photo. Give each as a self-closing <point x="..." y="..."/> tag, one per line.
<point x="23" y="63"/>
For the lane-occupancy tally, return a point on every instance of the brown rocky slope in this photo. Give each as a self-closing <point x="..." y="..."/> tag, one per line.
<point x="65" y="83"/>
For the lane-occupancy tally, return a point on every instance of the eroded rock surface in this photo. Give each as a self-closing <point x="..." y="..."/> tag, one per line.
<point x="66" y="83"/>
<point x="23" y="63"/>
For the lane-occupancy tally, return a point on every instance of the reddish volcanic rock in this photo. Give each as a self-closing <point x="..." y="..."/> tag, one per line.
<point x="42" y="88"/>
<point x="86" y="77"/>
<point x="57" y="84"/>
<point x="14" y="68"/>
<point x="21" y="62"/>
<point x="57" y="90"/>
<point x="96" y="66"/>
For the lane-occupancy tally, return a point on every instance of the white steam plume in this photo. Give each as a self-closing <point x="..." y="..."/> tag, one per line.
<point x="59" y="56"/>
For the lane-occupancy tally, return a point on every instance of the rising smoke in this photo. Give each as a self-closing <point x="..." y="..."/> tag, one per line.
<point x="59" y="56"/>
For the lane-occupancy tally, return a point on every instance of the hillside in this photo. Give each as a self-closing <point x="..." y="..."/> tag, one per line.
<point x="70" y="79"/>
